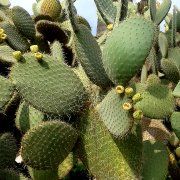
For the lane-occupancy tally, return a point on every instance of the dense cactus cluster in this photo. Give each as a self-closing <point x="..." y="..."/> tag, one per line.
<point x="108" y="105"/>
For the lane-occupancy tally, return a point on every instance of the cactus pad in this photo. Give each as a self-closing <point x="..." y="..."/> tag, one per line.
<point x="105" y="156"/>
<point x="47" y="145"/>
<point x="89" y="54"/>
<point x="8" y="150"/>
<point x="51" y="8"/>
<point x="49" y="85"/>
<point x="176" y="91"/>
<point x="24" y="24"/>
<point x="6" y="92"/>
<point x="157" y="102"/>
<point x="14" y="38"/>
<point x="127" y="48"/>
<point x="118" y="121"/>
<point x="175" y="122"/>
<point x="27" y="117"/>
<point x="155" y="160"/>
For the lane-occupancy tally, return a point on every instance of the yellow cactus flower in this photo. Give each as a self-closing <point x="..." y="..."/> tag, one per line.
<point x="127" y="106"/>
<point x="136" y="97"/>
<point x="129" y="91"/>
<point x="38" y="56"/>
<point x="110" y="27"/>
<point x="17" y="55"/>
<point x="1" y="31"/>
<point x="3" y="36"/>
<point x="138" y="114"/>
<point x="34" y="48"/>
<point x="119" y="89"/>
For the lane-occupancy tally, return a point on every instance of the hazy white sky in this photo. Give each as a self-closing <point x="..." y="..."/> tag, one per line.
<point x="85" y="8"/>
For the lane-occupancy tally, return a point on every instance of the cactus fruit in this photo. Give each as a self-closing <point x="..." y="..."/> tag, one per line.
<point x="138" y="40"/>
<point x="41" y="144"/>
<point x="51" y="8"/>
<point x="39" y="82"/>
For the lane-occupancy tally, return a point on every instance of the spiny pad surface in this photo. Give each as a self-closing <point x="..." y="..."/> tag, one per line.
<point x="47" y="145"/>
<point x="157" y="102"/>
<point x="117" y="120"/>
<point x="106" y="157"/>
<point x="6" y="91"/>
<point x="49" y="85"/>
<point x="127" y="48"/>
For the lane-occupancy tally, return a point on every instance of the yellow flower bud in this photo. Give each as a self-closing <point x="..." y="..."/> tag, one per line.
<point x="110" y="27"/>
<point x="17" y="55"/>
<point x="129" y="91"/>
<point x="119" y="89"/>
<point x="3" y="36"/>
<point x="38" y="56"/>
<point x="1" y="31"/>
<point x="138" y="114"/>
<point x="127" y="106"/>
<point x="34" y="48"/>
<point x="136" y="97"/>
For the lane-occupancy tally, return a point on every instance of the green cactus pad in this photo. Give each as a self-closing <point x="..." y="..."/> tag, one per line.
<point x="48" y="85"/>
<point x="14" y="38"/>
<point x="6" y="92"/>
<point x="162" y="11"/>
<point x="175" y="122"/>
<point x="27" y="117"/>
<point x="127" y="48"/>
<point x="83" y="21"/>
<point x="152" y="80"/>
<point x="8" y="174"/>
<point x="170" y="70"/>
<point x="43" y="174"/>
<point x="57" y="51"/>
<point x="157" y="102"/>
<point x="105" y="156"/>
<point x="176" y="91"/>
<point x="23" y="22"/>
<point x="89" y="54"/>
<point x="51" y="31"/>
<point x="163" y="45"/>
<point x="152" y="4"/>
<point x="65" y="167"/>
<point x="118" y="121"/>
<point x="174" y="54"/>
<point x="47" y="145"/>
<point x="8" y="150"/>
<point x="107" y="10"/>
<point x="51" y="8"/>
<point x="6" y="55"/>
<point x="155" y="157"/>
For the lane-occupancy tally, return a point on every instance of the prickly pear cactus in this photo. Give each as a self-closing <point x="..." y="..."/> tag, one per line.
<point x="78" y="106"/>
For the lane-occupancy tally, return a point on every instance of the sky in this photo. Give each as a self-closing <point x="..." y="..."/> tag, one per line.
<point x="85" y="8"/>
